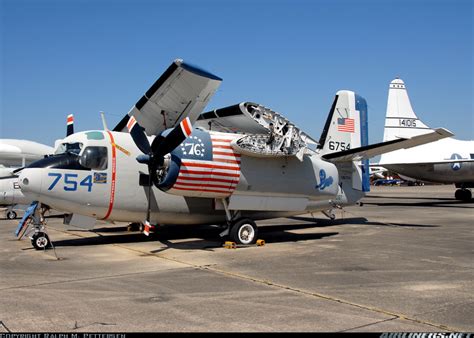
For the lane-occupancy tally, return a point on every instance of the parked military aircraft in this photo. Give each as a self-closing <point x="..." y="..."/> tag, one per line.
<point x="19" y="152"/>
<point x="444" y="161"/>
<point x="13" y="154"/>
<point x="377" y="171"/>
<point x="235" y="165"/>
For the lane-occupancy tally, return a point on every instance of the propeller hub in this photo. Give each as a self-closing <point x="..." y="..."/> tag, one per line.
<point x="144" y="159"/>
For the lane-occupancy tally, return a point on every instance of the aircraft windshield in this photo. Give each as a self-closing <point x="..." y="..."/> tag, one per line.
<point x="94" y="158"/>
<point x="64" y="148"/>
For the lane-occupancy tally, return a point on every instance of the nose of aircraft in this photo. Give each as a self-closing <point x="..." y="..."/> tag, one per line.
<point x="30" y="182"/>
<point x="3" y="192"/>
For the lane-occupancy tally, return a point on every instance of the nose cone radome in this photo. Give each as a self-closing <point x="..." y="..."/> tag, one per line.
<point x="30" y="182"/>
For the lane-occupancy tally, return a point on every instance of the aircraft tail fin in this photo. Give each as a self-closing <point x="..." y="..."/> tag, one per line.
<point x="346" y="128"/>
<point x="346" y="124"/>
<point x="70" y="125"/>
<point x="400" y="119"/>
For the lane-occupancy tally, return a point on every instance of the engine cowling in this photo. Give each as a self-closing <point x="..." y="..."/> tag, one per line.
<point x="204" y="165"/>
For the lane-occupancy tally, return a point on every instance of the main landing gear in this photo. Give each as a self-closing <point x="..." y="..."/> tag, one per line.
<point x="463" y="194"/>
<point x="240" y="230"/>
<point x="243" y="231"/>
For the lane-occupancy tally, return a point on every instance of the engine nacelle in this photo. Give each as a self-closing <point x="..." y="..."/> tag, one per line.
<point x="204" y="165"/>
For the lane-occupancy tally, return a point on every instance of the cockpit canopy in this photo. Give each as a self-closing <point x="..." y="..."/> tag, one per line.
<point x="73" y="155"/>
<point x="64" y="148"/>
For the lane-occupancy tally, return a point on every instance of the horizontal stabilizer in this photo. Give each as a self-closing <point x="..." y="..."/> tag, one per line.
<point x="386" y="147"/>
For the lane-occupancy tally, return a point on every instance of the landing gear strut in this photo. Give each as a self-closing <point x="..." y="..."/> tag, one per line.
<point x="463" y="194"/>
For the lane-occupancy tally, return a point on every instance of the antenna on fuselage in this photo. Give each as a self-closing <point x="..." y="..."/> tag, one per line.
<point x="103" y="121"/>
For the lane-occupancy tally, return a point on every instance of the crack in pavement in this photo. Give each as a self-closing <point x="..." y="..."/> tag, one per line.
<point x="84" y="279"/>
<point x="91" y="324"/>
<point x="371" y="324"/>
<point x="2" y="324"/>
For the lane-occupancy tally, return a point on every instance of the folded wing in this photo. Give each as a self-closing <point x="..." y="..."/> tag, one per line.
<point x="181" y="91"/>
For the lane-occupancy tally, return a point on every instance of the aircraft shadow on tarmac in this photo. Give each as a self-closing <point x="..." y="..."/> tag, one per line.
<point x="427" y="202"/>
<point x="207" y="237"/>
<point x="359" y="220"/>
<point x="200" y="237"/>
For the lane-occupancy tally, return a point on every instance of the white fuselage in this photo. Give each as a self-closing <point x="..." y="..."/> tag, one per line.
<point x="10" y="193"/>
<point x="425" y="162"/>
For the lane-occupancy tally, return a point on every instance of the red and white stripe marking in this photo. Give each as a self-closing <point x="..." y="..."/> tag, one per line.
<point x="70" y="119"/>
<point x="131" y="123"/>
<point x="216" y="178"/>
<point x="186" y="126"/>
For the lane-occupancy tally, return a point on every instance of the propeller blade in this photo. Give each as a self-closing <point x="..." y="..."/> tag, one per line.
<point x="138" y="135"/>
<point x="18" y="170"/>
<point x="7" y="177"/>
<point x="155" y="145"/>
<point x="70" y="125"/>
<point x="174" y="138"/>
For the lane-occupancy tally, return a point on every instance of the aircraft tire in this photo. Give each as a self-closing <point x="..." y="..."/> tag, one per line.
<point x="467" y="195"/>
<point x="40" y="241"/>
<point x="463" y="195"/>
<point x="11" y="214"/>
<point x="244" y="231"/>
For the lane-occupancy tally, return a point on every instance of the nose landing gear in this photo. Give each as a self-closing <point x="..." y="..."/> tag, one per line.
<point x="40" y="240"/>
<point x="33" y="224"/>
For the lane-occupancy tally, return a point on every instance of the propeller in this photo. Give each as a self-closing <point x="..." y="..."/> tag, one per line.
<point x="154" y="154"/>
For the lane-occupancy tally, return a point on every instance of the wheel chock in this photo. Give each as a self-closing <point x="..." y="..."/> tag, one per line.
<point x="233" y="245"/>
<point x="230" y="245"/>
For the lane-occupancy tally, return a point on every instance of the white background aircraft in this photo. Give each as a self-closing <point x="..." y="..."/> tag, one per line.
<point x="16" y="154"/>
<point x="444" y="161"/>
<point x="240" y="163"/>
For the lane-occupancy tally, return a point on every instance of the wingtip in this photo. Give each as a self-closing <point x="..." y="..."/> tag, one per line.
<point x="196" y="70"/>
<point x="444" y="132"/>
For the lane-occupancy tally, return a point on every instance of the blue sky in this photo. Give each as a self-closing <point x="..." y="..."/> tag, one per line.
<point x="86" y="56"/>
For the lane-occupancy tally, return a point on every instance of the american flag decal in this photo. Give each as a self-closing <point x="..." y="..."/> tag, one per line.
<point x="209" y="166"/>
<point x="345" y="125"/>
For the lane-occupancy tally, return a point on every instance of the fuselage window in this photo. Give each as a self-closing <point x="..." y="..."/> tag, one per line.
<point x="74" y="148"/>
<point x="94" y="158"/>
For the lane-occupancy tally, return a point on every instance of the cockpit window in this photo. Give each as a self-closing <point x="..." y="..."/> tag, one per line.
<point x="94" y="158"/>
<point x="74" y="148"/>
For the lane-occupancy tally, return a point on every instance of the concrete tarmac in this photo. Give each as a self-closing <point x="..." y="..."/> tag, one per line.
<point x="401" y="262"/>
